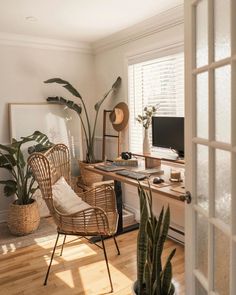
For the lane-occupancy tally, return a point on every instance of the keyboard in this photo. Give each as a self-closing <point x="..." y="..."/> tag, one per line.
<point x="132" y="174"/>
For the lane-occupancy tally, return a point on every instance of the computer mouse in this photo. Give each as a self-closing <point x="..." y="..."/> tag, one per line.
<point x="157" y="180"/>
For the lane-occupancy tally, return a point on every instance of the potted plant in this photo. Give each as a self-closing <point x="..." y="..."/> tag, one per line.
<point x="146" y="120"/>
<point x="23" y="214"/>
<point x="152" y="276"/>
<point x="88" y="129"/>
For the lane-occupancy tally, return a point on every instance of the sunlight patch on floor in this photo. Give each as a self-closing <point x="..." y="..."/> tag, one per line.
<point x="8" y="248"/>
<point x="66" y="277"/>
<point x="100" y="277"/>
<point x="77" y="252"/>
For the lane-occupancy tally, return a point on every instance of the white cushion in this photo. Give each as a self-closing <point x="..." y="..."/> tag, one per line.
<point x="65" y="199"/>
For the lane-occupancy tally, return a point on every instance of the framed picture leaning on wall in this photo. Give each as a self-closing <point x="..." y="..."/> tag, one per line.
<point x="60" y="124"/>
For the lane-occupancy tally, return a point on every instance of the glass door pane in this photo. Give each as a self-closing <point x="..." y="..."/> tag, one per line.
<point x="223" y="104"/>
<point x="201" y="34"/>
<point x="222" y="29"/>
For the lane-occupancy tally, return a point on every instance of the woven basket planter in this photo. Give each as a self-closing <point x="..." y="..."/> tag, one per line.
<point x="23" y="219"/>
<point x="88" y="177"/>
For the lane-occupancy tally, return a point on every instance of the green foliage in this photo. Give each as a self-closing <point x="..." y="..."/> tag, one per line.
<point x="146" y="118"/>
<point x="22" y="183"/>
<point x="89" y="131"/>
<point x="152" y="277"/>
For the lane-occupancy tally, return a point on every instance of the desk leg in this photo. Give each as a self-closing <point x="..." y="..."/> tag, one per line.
<point x="120" y="229"/>
<point x="118" y="192"/>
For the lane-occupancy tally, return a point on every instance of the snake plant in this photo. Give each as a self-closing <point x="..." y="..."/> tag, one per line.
<point x="89" y="131"/>
<point x="152" y="277"/>
<point x="12" y="159"/>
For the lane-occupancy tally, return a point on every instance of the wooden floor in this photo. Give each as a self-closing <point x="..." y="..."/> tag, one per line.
<point x="81" y="269"/>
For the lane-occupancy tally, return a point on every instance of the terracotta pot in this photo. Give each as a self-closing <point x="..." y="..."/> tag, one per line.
<point x="88" y="177"/>
<point x="23" y="219"/>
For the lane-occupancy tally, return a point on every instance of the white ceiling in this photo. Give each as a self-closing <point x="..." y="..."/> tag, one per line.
<point x="77" y="20"/>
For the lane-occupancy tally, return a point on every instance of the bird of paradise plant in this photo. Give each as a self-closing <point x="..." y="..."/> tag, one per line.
<point x="89" y="131"/>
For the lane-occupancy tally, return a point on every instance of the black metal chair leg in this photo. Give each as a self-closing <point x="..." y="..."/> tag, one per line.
<point x="118" y="250"/>
<point x="46" y="278"/>
<point x="62" y="246"/>
<point x="105" y="255"/>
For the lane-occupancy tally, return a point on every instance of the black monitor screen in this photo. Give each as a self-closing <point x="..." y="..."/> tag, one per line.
<point x="168" y="132"/>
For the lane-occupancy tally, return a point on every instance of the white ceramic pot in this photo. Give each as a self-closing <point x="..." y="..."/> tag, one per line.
<point x="146" y="145"/>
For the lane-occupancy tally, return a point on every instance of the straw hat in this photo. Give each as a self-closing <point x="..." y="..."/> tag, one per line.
<point x="119" y="116"/>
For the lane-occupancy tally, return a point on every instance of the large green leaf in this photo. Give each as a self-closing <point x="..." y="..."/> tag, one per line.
<point x="10" y="187"/>
<point x="114" y="87"/>
<point x="69" y="103"/>
<point x="8" y="148"/>
<point x="39" y="137"/>
<point x="7" y="161"/>
<point x="65" y="84"/>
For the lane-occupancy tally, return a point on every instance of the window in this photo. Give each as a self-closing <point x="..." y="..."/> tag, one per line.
<point x="158" y="81"/>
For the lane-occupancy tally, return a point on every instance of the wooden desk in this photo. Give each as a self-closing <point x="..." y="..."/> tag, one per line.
<point x="163" y="189"/>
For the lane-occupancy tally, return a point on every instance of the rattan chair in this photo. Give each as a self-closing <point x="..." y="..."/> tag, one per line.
<point x="99" y="220"/>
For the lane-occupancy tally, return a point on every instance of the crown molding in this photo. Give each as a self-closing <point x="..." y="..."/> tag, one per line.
<point x="8" y="39"/>
<point x="153" y="25"/>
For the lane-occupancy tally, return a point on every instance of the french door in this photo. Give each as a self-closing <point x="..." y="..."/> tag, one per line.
<point x="210" y="67"/>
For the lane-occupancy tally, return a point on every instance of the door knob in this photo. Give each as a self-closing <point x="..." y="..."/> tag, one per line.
<point x="186" y="197"/>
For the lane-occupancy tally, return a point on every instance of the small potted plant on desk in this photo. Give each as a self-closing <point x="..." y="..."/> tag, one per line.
<point x="146" y="120"/>
<point x="152" y="277"/>
<point x="23" y="214"/>
<point x="89" y="131"/>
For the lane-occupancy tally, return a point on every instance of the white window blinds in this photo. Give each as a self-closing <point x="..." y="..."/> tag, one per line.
<point x="159" y="81"/>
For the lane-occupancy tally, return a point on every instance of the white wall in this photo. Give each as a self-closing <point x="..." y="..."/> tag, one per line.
<point x="161" y="33"/>
<point x="23" y="70"/>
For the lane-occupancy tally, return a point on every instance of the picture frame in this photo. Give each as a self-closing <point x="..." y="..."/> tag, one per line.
<point x="60" y="124"/>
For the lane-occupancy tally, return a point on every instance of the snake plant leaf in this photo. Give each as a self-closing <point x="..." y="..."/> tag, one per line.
<point x="166" y="279"/>
<point x="171" y="255"/>
<point x="10" y="187"/>
<point x="172" y="290"/>
<point x="114" y="87"/>
<point x="164" y="232"/>
<point x="66" y="85"/>
<point x="142" y="240"/>
<point x="148" y="278"/>
<point x="68" y="103"/>
<point x="7" y="161"/>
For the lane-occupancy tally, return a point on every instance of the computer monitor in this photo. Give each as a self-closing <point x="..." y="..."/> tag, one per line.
<point x="168" y="132"/>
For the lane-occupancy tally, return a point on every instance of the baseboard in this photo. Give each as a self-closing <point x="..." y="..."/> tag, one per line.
<point x="174" y="233"/>
<point x="135" y="211"/>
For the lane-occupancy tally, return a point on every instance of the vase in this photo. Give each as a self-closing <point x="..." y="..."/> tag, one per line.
<point x="146" y="145"/>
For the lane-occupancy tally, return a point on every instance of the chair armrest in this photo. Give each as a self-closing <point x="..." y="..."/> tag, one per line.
<point x="90" y="221"/>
